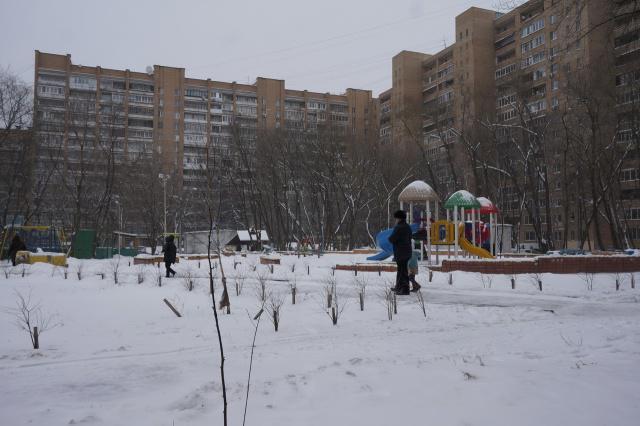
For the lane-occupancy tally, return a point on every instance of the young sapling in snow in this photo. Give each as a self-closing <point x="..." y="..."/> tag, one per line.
<point x="619" y="280"/>
<point x="30" y="317"/>
<point x="293" y="284"/>
<point x="80" y="270"/>
<point x="513" y="279"/>
<point x="387" y="296"/>
<point x="261" y="287"/>
<point x="189" y="278"/>
<point x="588" y="278"/>
<point x="536" y="280"/>
<point x="360" y="284"/>
<point x="140" y="274"/>
<point x="24" y="271"/>
<point x="158" y="276"/>
<point x="337" y="307"/>
<point x="329" y="290"/>
<point x="486" y="280"/>
<point x="274" y="306"/>
<point x="239" y="280"/>
<point x="114" y="268"/>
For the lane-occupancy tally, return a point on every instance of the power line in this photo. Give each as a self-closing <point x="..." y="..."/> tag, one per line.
<point x="334" y="38"/>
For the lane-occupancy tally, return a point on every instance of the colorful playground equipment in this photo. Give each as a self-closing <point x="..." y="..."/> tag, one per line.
<point x="463" y="228"/>
<point x="464" y="206"/>
<point x="44" y="244"/>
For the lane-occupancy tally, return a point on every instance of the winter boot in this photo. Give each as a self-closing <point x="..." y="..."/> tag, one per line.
<point x="401" y="291"/>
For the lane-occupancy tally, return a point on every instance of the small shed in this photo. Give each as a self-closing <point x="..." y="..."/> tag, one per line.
<point x="197" y="242"/>
<point x="249" y="239"/>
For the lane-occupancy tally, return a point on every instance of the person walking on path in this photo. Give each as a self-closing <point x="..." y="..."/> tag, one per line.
<point x="16" y="245"/>
<point x="401" y="240"/>
<point x="169" y="251"/>
<point x="413" y="270"/>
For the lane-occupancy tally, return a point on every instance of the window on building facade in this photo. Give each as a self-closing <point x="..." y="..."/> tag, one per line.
<point x="532" y="28"/>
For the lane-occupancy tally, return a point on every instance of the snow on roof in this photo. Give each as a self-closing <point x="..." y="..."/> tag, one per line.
<point x="487" y="206"/>
<point x="418" y="191"/>
<point x="243" y="235"/>
<point x="462" y="198"/>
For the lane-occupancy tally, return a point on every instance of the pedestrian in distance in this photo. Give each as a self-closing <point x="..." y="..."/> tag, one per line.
<point x="16" y="245"/>
<point x="413" y="270"/>
<point x="169" y="251"/>
<point x="401" y="240"/>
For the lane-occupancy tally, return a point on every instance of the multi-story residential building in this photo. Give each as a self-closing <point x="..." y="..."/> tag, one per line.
<point x="16" y="161"/>
<point x="522" y="71"/>
<point x="164" y="112"/>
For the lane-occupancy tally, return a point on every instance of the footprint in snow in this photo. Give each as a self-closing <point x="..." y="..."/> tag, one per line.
<point x="84" y="420"/>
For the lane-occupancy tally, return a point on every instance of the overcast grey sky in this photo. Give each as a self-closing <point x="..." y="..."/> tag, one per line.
<point x="322" y="45"/>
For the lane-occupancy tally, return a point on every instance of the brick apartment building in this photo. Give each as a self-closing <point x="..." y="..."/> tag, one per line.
<point x="164" y="112"/>
<point x="502" y="64"/>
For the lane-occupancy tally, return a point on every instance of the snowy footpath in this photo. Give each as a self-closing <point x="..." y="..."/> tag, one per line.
<point x="484" y="354"/>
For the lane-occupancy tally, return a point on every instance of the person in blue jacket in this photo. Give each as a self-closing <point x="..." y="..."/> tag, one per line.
<point x="413" y="270"/>
<point x="401" y="240"/>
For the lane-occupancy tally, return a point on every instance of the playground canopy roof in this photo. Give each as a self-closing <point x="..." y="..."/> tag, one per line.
<point x="463" y="199"/>
<point x="486" y="206"/>
<point x="418" y="191"/>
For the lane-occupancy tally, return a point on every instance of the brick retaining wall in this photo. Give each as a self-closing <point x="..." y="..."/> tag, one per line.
<point x="546" y="264"/>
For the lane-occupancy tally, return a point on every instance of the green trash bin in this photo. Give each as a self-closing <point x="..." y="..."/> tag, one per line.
<point x="104" y="252"/>
<point x="130" y="252"/>
<point x="84" y="242"/>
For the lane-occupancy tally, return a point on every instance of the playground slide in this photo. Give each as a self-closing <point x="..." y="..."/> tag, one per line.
<point x="383" y="243"/>
<point x="467" y="246"/>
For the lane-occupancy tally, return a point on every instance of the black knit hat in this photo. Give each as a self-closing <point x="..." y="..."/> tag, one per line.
<point x="400" y="214"/>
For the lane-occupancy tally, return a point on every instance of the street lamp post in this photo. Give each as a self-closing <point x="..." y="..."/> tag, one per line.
<point x="119" y="225"/>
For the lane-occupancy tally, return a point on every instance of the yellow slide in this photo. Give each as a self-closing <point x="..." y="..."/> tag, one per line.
<point x="467" y="246"/>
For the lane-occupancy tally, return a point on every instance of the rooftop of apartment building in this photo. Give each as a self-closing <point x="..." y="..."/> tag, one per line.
<point x="63" y="62"/>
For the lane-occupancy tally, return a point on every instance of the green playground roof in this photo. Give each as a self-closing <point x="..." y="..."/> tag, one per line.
<point x="463" y="199"/>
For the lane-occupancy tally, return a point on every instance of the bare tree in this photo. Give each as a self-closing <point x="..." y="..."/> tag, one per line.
<point x="30" y="317"/>
<point x="16" y="145"/>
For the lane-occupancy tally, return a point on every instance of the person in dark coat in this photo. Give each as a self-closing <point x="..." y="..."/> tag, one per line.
<point x="16" y="245"/>
<point x="402" y="251"/>
<point x="169" y="251"/>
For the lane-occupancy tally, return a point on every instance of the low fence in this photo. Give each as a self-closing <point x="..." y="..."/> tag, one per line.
<point x="546" y="264"/>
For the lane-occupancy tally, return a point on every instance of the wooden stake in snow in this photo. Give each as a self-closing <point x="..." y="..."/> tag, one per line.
<point x="36" y="343"/>
<point x="175" y="311"/>
<point x="430" y="276"/>
<point x="450" y="278"/>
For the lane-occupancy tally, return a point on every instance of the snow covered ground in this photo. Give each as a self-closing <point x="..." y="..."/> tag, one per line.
<point x="484" y="355"/>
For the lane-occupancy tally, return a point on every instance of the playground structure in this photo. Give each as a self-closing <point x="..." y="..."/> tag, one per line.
<point x="462" y="228"/>
<point x="44" y="244"/>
